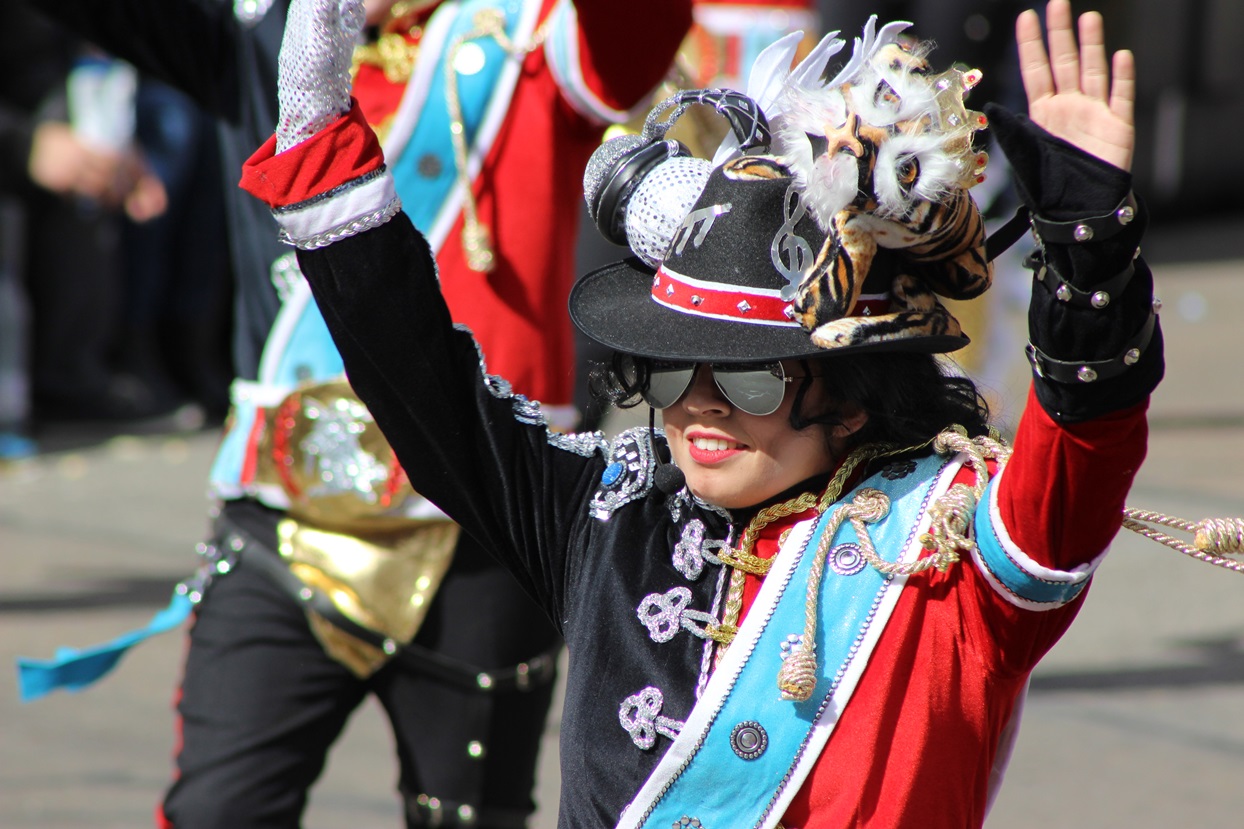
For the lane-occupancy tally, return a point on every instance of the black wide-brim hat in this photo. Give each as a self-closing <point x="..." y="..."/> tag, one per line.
<point x="725" y="289"/>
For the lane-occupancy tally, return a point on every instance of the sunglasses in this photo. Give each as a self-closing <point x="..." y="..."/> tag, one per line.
<point x="754" y="388"/>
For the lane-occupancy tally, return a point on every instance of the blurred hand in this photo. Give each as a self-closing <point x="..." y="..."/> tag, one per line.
<point x="61" y="163"/>
<point x="1070" y="92"/>
<point x="139" y="190"/>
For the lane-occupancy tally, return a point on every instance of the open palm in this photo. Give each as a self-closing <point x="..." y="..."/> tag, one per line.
<point x="1072" y="92"/>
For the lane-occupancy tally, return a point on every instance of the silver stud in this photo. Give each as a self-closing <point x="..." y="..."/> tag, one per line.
<point x="1125" y="214"/>
<point x="743" y="307"/>
<point x="475" y="750"/>
<point x="1083" y="233"/>
<point x="697" y="300"/>
<point x="389" y="646"/>
<point x="1131" y="357"/>
<point x="789" y="312"/>
<point x="306" y="594"/>
<point x="669" y="290"/>
<point x="1041" y="274"/>
<point x="867" y="312"/>
<point x="484" y="681"/>
<point x="749" y="740"/>
<point x="1086" y="374"/>
<point x="1100" y="299"/>
<point x="466" y="814"/>
<point x="656" y="280"/>
<point x="1063" y="293"/>
<point x="224" y="566"/>
<point x="1157" y="305"/>
<point x="236" y="543"/>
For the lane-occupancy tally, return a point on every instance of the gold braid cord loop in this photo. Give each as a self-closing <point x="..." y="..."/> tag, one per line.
<point x="949" y="533"/>
<point x="797" y="676"/>
<point x="1213" y="539"/>
<point x="743" y="561"/>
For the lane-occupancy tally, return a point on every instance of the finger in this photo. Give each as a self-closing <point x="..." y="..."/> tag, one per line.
<point x="1123" y="89"/>
<point x="1094" y="72"/>
<point x="1064" y="57"/>
<point x="1034" y="66"/>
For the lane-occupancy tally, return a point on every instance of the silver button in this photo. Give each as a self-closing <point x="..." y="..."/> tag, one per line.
<point x="1100" y="299"/>
<point x="749" y="740"/>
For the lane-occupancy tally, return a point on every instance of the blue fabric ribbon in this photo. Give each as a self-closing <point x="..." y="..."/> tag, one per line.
<point x="73" y="669"/>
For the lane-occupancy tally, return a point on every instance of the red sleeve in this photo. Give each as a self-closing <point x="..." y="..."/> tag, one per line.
<point x="623" y="56"/>
<point x="1063" y="493"/>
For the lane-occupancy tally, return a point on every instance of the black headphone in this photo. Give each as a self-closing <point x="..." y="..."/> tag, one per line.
<point x="620" y="164"/>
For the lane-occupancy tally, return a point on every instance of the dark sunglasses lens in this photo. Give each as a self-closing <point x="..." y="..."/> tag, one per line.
<point x="666" y="383"/>
<point x="757" y="390"/>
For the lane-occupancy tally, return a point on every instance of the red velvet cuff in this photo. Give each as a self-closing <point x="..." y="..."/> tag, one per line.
<point x="340" y="153"/>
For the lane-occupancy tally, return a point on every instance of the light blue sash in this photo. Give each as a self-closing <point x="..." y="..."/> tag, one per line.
<point x="704" y="776"/>
<point x="423" y="171"/>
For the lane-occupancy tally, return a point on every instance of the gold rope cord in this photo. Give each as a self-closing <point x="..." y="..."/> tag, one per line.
<point x="476" y="238"/>
<point x="1213" y="538"/>
<point x="742" y="561"/>
<point x="949" y="536"/>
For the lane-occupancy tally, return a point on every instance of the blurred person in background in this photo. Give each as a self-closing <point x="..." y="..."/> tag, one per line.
<point x="330" y="579"/>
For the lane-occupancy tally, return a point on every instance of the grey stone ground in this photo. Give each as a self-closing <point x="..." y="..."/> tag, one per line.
<point x="1136" y="719"/>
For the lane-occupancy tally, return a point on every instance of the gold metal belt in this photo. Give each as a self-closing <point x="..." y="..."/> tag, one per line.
<point x="348" y="530"/>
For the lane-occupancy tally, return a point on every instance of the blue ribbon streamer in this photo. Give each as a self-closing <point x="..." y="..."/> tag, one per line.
<point x="74" y="669"/>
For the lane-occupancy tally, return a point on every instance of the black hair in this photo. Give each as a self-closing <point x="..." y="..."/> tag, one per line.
<point x="908" y="397"/>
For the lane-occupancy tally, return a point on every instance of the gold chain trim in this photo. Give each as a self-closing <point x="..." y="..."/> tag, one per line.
<point x="392" y="53"/>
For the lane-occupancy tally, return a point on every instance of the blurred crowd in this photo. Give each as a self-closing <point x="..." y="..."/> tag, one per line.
<point x="114" y="278"/>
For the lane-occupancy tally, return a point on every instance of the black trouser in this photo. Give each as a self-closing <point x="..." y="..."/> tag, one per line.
<point x="261" y="704"/>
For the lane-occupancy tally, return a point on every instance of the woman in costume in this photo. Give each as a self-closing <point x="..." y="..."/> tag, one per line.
<point x="812" y="601"/>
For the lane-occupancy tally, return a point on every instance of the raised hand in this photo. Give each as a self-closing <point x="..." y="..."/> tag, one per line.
<point x="314" y="66"/>
<point x="1071" y="93"/>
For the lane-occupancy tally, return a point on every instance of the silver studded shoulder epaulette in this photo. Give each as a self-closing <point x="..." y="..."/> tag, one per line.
<point x="627" y="475"/>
